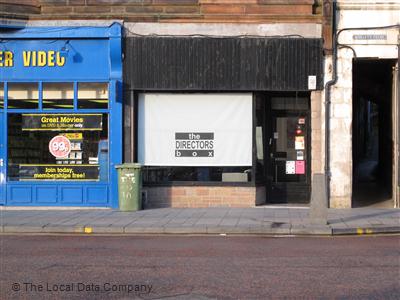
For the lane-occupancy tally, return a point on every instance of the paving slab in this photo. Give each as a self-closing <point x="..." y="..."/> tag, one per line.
<point x="190" y="223"/>
<point x="228" y="222"/>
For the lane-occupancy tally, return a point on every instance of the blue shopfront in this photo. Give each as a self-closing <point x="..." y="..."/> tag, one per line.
<point x="60" y="116"/>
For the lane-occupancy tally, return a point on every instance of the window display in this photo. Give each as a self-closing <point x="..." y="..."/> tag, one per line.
<point x="160" y="175"/>
<point x="58" y="147"/>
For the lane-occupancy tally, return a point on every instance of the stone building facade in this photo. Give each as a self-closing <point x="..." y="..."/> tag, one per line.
<point x="310" y="19"/>
<point x="364" y="45"/>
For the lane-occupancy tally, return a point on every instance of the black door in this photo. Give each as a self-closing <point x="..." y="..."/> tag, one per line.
<point x="288" y="151"/>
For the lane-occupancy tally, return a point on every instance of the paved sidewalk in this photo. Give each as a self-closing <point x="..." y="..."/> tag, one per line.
<point x="257" y="220"/>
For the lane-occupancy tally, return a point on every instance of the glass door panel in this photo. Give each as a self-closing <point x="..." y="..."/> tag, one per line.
<point x="289" y="151"/>
<point x="289" y="157"/>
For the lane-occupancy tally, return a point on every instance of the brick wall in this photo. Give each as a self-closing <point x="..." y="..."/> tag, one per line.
<point x="183" y="10"/>
<point x="176" y="11"/>
<point x="21" y="9"/>
<point x="203" y="196"/>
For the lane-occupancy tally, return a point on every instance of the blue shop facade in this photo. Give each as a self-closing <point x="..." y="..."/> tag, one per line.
<point x="60" y="116"/>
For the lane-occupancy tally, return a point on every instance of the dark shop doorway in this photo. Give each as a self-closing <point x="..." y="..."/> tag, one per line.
<point x="372" y="133"/>
<point x="283" y="131"/>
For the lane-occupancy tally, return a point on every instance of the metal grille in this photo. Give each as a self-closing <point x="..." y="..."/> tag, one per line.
<point x="222" y="64"/>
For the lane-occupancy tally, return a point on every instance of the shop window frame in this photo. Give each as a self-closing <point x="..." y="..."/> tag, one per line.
<point x="251" y="183"/>
<point x="75" y="108"/>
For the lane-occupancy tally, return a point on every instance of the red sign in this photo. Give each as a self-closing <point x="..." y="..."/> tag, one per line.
<point x="300" y="167"/>
<point x="60" y="146"/>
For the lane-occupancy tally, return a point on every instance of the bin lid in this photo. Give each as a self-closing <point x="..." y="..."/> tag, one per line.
<point x="129" y="166"/>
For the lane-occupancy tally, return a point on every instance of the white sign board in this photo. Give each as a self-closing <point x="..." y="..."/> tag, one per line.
<point x="290" y="167"/>
<point x="195" y="129"/>
<point x="312" y="82"/>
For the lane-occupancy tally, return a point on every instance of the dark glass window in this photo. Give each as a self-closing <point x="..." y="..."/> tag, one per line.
<point x="156" y="175"/>
<point x="260" y="137"/>
<point x="289" y="103"/>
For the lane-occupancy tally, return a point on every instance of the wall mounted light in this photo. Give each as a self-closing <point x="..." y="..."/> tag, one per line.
<point x="64" y="49"/>
<point x="65" y="52"/>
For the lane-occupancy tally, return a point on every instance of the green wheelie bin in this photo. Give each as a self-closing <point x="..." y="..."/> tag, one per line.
<point x="129" y="187"/>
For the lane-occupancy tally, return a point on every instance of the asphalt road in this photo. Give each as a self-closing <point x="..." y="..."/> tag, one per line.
<point x="179" y="267"/>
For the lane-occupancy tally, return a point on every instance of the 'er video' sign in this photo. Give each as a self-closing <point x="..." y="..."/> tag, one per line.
<point x="195" y="129"/>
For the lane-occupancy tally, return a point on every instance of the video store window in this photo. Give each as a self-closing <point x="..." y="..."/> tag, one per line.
<point x="66" y="147"/>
